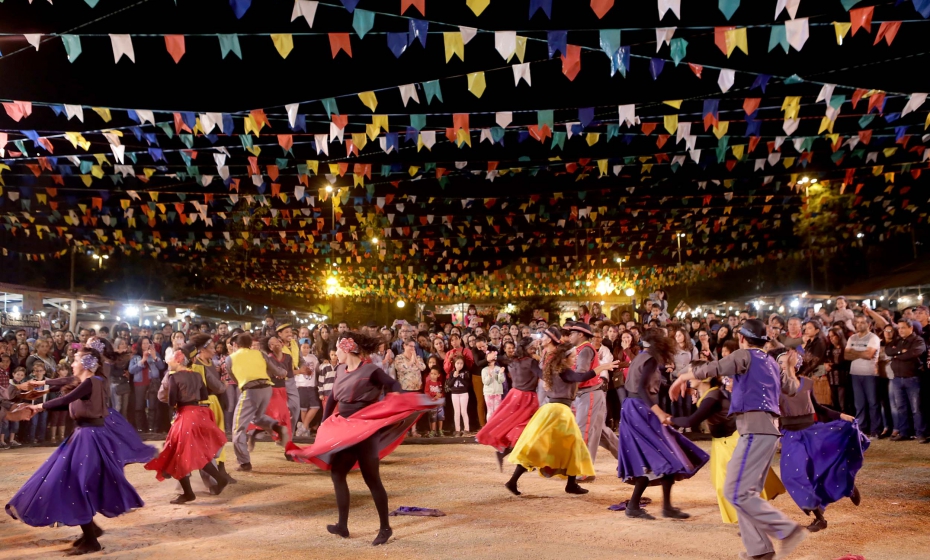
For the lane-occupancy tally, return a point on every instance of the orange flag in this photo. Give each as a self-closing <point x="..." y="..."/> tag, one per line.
<point x="175" y="46"/>
<point x="887" y="31"/>
<point x="861" y="17"/>
<point x="418" y="4"/>
<point x="571" y="62"/>
<point x="601" y="7"/>
<point x="340" y="42"/>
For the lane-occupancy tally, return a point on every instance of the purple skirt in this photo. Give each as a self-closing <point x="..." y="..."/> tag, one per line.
<point x="82" y="477"/>
<point x="647" y="448"/>
<point x="819" y="464"/>
<point x="130" y="448"/>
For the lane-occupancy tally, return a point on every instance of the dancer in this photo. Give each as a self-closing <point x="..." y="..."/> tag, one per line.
<point x="83" y="476"/>
<point x="714" y="407"/>
<point x="509" y="420"/>
<point x="131" y="448"/>
<point x="551" y="441"/>
<point x="252" y="371"/>
<point x="819" y="459"/>
<point x="194" y="438"/>
<point x="363" y="430"/>
<point x="281" y="371"/>
<point x="757" y="384"/>
<point x="200" y="350"/>
<point x="652" y="453"/>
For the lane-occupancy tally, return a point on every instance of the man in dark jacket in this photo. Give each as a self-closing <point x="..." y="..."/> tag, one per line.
<point x="905" y="387"/>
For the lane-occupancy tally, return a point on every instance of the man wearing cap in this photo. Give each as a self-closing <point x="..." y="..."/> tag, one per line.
<point x="757" y="384"/>
<point x="590" y="404"/>
<point x="292" y="349"/>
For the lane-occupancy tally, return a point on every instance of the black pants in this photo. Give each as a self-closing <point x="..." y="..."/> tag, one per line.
<point x="366" y="455"/>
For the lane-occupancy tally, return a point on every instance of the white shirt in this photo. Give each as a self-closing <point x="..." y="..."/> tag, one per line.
<point x="861" y="366"/>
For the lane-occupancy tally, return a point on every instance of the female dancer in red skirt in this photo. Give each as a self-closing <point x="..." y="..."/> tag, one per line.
<point x="358" y="430"/>
<point x="193" y="439"/>
<point x="504" y="428"/>
<point x="277" y="407"/>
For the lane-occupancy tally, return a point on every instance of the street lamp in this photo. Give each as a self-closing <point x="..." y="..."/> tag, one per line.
<point x="401" y="304"/>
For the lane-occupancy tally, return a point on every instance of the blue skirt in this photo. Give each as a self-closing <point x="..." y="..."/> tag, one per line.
<point x="819" y="464"/>
<point x="647" y="448"/>
<point x="130" y="448"/>
<point x="82" y="477"/>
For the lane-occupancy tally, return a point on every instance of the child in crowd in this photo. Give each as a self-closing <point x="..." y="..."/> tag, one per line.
<point x="19" y="375"/>
<point x="457" y="385"/>
<point x="56" y="418"/>
<point x="39" y="420"/>
<point x="493" y="378"/>
<point x="307" y="387"/>
<point x="433" y="387"/>
<point x="327" y="376"/>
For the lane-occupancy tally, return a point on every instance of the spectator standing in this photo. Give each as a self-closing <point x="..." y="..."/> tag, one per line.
<point x="862" y="350"/>
<point x="905" y="387"/>
<point x="815" y="355"/>
<point x="457" y="384"/>
<point x="793" y="337"/>
<point x="837" y="366"/>
<point x="145" y="367"/>
<point x="493" y="378"/>
<point x="409" y="367"/>
<point x="433" y="387"/>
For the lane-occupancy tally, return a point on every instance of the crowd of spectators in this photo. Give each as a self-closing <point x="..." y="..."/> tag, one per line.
<point x="864" y="362"/>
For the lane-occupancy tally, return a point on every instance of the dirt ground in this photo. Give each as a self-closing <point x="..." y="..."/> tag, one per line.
<point x="282" y="508"/>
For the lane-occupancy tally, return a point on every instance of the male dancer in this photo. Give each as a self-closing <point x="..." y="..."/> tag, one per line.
<point x="590" y="404"/>
<point x="291" y="348"/>
<point x="757" y="383"/>
<point x="251" y="368"/>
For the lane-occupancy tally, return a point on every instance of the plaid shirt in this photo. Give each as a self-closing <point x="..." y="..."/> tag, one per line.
<point x="4" y="379"/>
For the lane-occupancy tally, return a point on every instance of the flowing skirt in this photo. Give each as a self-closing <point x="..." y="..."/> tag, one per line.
<point x="552" y="443"/>
<point x="82" y="477"/>
<point x="131" y="449"/>
<point x="192" y="442"/>
<point x="819" y="464"/>
<point x="721" y="451"/>
<point x="647" y="448"/>
<point x="277" y="409"/>
<point x="509" y="420"/>
<point x="388" y="420"/>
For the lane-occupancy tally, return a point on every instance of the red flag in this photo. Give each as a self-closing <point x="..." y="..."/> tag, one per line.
<point x="571" y="62"/>
<point x="697" y="69"/>
<point x="175" y="46"/>
<point x="601" y="7"/>
<point x="340" y="42"/>
<point x="887" y="31"/>
<point x="861" y="17"/>
<point x="418" y="4"/>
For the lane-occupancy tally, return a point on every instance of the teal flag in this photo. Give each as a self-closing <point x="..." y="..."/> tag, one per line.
<point x="679" y="49"/>
<point x="330" y="105"/>
<point x="432" y="90"/>
<point x="728" y="7"/>
<point x="72" y="46"/>
<point x="230" y="43"/>
<point x="778" y="37"/>
<point x="362" y="22"/>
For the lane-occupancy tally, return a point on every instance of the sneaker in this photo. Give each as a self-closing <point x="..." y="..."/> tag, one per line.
<point x="898" y="437"/>
<point x="432" y="434"/>
<point x="244" y="467"/>
<point x="15" y="444"/>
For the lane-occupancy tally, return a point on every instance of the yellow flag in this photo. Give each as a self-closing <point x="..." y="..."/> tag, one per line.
<point x="413" y="170"/>
<point x="520" y="51"/>
<point x="334" y="168"/>
<point x="825" y="124"/>
<point x="476" y="83"/>
<point x="462" y="136"/>
<point x="788" y="162"/>
<point x="284" y="42"/>
<point x="313" y="165"/>
<point x="889" y="151"/>
<point x="841" y="28"/>
<point x="592" y="138"/>
<point x="86" y="179"/>
<point x="675" y="103"/>
<point x="381" y="121"/>
<point x="602" y="167"/>
<point x="736" y="38"/>
<point x="454" y="45"/>
<point x="671" y="123"/>
<point x="103" y="112"/>
<point x="369" y="99"/>
<point x="477" y="6"/>
<point x="738" y="150"/>
<point x="360" y="139"/>
<point x="721" y="128"/>
<point x="372" y="130"/>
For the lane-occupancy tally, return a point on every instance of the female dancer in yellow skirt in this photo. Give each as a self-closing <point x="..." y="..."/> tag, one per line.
<point x="552" y="441"/>
<point x="714" y="406"/>
<point x="200" y="351"/>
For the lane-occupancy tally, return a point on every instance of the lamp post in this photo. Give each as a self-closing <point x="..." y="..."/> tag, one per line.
<point x="678" y="238"/>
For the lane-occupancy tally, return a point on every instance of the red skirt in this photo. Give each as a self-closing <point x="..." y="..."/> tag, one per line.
<point x="192" y="442"/>
<point x="504" y="428"/>
<point x="277" y="409"/>
<point x="387" y="420"/>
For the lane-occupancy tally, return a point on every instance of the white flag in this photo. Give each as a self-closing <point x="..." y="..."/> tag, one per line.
<point x="122" y="45"/>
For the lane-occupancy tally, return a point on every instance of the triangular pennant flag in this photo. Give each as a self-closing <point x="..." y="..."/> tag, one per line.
<point x="229" y="43"/>
<point x="284" y="42"/>
<point x="72" y="46"/>
<point x="477" y="6"/>
<point x="418" y="4"/>
<point x="362" y="22"/>
<point x="476" y="83"/>
<point x="340" y="42"/>
<point x="305" y="9"/>
<point x="673" y="5"/>
<point x="454" y="45"/>
<point x="240" y="7"/>
<point x="601" y="7"/>
<point x="521" y="72"/>
<point x="175" y="46"/>
<point x="861" y="17"/>
<point x="369" y="99"/>
<point x="34" y="39"/>
<point x="798" y="32"/>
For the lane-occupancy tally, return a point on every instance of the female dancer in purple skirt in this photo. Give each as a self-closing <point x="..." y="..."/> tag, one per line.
<point x="821" y="449"/>
<point x="650" y="452"/>
<point x="84" y="475"/>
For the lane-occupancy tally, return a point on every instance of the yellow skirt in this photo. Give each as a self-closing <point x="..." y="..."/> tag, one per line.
<point x="552" y="443"/>
<point x="721" y="451"/>
<point x="217" y="409"/>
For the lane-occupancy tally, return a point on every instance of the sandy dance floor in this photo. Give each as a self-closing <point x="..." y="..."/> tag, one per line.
<point x="280" y="510"/>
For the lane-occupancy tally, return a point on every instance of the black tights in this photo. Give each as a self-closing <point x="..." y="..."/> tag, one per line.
<point x="521" y="470"/>
<point x="209" y="468"/>
<point x="90" y="533"/>
<point x="640" y="486"/>
<point x="366" y="455"/>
